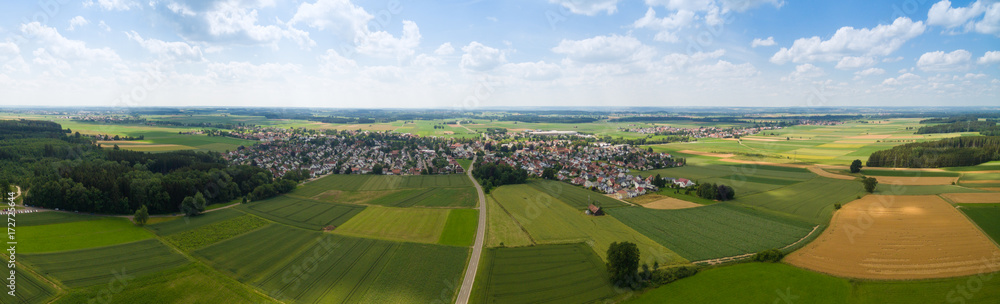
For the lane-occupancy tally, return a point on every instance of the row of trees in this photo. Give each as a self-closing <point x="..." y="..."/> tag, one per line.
<point x="960" y="126"/>
<point x="623" y="268"/>
<point x="949" y="152"/>
<point x="492" y="175"/>
<point x="716" y="192"/>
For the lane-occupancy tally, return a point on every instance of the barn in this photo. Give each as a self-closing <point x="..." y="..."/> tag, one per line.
<point x="594" y="210"/>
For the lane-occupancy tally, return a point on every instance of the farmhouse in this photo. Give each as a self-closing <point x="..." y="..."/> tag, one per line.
<point x="594" y="210"/>
<point x="683" y="182"/>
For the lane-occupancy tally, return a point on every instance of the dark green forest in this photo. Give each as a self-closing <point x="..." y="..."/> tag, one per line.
<point x="949" y="152"/>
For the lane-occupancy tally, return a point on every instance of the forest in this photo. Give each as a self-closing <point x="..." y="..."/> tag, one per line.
<point x="949" y="152"/>
<point x="961" y="126"/>
<point x="492" y="175"/>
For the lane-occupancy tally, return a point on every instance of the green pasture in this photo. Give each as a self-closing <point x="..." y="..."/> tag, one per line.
<point x="904" y="173"/>
<point x="188" y="284"/>
<point x="428" y="197"/>
<point x="715" y="231"/>
<point x="193" y="222"/>
<point x="886" y="189"/>
<point x="979" y="176"/>
<point x="460" y="229"/>
<point x="216" y="232"/>
<point x="48" y="218"/>
<point x="986" y="216"/>
<point x="502" y="230"/>
<point x="982" y="288"/>
<point x="280" y="241"/>
<point x="565" y="273"/>
<point x="752" y="283"/>
<point x="575" y="196"/>
<point x="549" y="220"/>
<point x="993" y="165"/>
<point x="79" y="235"/>
<point x="399" y="224"/>
<point x="30" y="289"/>
<point x="302" y="213"/>
<point x="93" y="266"/>
<point x="811" y="200"/>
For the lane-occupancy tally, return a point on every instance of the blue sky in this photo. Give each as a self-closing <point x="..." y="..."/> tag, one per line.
<point x="470" y="54"/>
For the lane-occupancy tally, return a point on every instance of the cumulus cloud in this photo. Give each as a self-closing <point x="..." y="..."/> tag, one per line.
<point x="351" y="22"/>
<point x="666" y="25"/>
<point x="332" y="62"/>
<point x="589" y="7"/>
<point x="540" y="70"/>
<point x="724" y="69"/>
<point x="762" y="42"/>
<point x="804" y="71"/>
<point x="77" y="21"/>
<point x="228" y="22"/>
<point x="172" y="50"/>
<point x="112" y="5"/>
<point x="613" y="48"/>
<point x="62" y="48"/>
<point x="940" y="61"/>
<point x="384" y="44"/>
<point x="245" y="71"/>
<point x="966" y="18"/>
<point x="445" y="49"/>
<point x="851" y="63"/>
<point x="869" y="72"/>
<point x="881" y="40"/>
<point x="902" y="79"/>
<point x="990" y="57"/>
<point x="481" y="58"/>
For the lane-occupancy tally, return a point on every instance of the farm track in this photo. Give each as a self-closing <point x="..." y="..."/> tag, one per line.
<point x="477" y="248"/>
<point x="737" y="257"/>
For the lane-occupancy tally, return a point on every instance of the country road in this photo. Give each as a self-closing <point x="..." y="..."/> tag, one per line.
<point x="477" y="247"/>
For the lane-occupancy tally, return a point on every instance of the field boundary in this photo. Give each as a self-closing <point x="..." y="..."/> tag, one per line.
<point x="738" y="257"/>
<point x="533" y="242"/>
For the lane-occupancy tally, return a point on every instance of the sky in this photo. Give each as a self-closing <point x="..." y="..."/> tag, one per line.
<point x="474" y="54"/>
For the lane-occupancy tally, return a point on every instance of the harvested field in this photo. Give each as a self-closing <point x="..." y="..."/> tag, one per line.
<point x="915" y="181"/>
<point x="762" y="163"/>
<point x="722" y="155"/>
<point x="819" y="171"/>
<point x="981" y="181"/>
<point x="898" y="237"/>
<point x="873" y="136"/>
<point x="972" y="198"/>
<point x="669" y="203"/>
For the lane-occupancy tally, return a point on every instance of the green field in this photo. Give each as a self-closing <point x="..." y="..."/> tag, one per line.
<point x="549" y="220"/>
<point x="460" y="229"/>
<point x="715" y="231"/>
<point x="993" y="165"/>
<point x="451" y="190"/>
<point x="886" y="189"/>
<point x="281" y="241"/>
<point x="355" y="270"/>
<point x="30" y="289"/>
<point x="302" y="213"/>
<point x="194" y="222"/>
<point x="986" y="216"/>
<point x="906" y="173"/>
<point x="79" y="235"/>
<point x="574" y="196"/>
<point x="501" y="228"/>
<point x="811" y="200"/>
<point x="359" y="182"/>
<point x="983" y="288"/>
<point x="752" y="283"/>
<point x="94" y="266"/>
<point x="428" y="197"/>
<point x="980" y="176"/>
<point x="189" y="284"/>
<point x="399" y="224"/>
<point x="216" y="232"/>
<point x="565" y="273"/>
<point x="47" y="218"/>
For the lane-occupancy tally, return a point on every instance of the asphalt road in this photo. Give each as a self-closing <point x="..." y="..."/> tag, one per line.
<point x="477" y="248"/>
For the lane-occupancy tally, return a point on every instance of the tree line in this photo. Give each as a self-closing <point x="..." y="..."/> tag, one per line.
<point x="960" y="126"/>
<point x="949" y="152"/>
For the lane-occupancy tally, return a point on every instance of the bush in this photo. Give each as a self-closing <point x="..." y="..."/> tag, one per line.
<point x="668" y="275"/>
<point x="769" y="256"/>
<point x="836" y="206"/>
<point x="623" y="263"/>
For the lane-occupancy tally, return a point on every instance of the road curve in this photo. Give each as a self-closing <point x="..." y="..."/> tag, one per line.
<point x="477" y="247"/>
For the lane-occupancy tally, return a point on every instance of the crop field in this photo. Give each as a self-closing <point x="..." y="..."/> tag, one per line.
<point x="302" y="213"/>
<point x="428" y="197"/>
<point x="993" y="165"/>
<point x="195" y="222"/>
<point x="656" y="201"/>
<point x="574" y="196"/>
<point x="187" y="284"/>
<point x="216" y="232"/>
<point x="30" y="289"/>
<point x="906" y="173"/>
<point x="399" y="224"/>
<point x="501" y="228"/>
<point x="899" y="237"/>
<point x="549" y="220"/>
<point x="431" y="181"/>
<point x="977" y="289"/>
<point x="48" y="218"/>
<point x="980" y="176"/>
<point x="752" y="283"/>
<point x="972" y="198"/>
<point x="94" y="266"/>
<point x="715" y="231"/>
<point x="349" y="270"/>
<point x="460" y="229"/>
<point x="565" y="273"/>
<point x="923" y="190"/>
<point x="79" y="235"/>
<point x="279" y="240"/>
<point x="350" y="182"/>
<point x="986" y="216"/>
<point x="451" y="190"/>
<point x="811" y="200"/>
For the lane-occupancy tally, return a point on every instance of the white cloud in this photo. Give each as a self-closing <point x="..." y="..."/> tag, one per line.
<point x="943" y="14"/>
<point x="104" y="26"/>
<point x="333" y="63"/>
<point x="77" y="21"/>
<point x="589" y="7"/>
<point x="10" y="56"/>
<point x="869" y="72"/>
<point x="804" y="71"/>
<point x="762" y="42"/>
<point x="680" y="62"/>
<point x="384" y="44"/>
<point x="338" y="16"/>
<point x="708" y="5"/>
<point x="665" y="25"/>
<point x="604" y="49"/>
<point x="479" y="57"/>
<point x="851" y="63"/>
<point x="902" y="79"/>
<point x="61" y="47"/>
<point x="881" y="40"/>
<point x="724" y="69"/>
<point x="532" y="70"/>
<point x="174" y="50"/>
<point x="940" y="61"/>
<point x="427" y="60"/>
<point x="990" y="57"/>
<point x="113" y="5"/>
<point x="991" y="21"/>
<point x="445" y="49"/>
<point x="230" y="19"/>
<point x="245" y="71"/>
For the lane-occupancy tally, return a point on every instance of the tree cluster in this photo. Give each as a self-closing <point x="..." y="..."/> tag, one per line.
<point x="716" y="192"/>
<point x="960" y="126"/>
<point x="492" y="175"/>
<point x="768" y="256"/>
<point x="949" y="152"/>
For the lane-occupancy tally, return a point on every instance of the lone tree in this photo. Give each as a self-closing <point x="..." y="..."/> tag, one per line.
<point x="870" y="183"/>
<point x="141" y="215"/>
<point x="193" y="205"/>
<point x="623" y="264"/>
<point x="856" y="166"/>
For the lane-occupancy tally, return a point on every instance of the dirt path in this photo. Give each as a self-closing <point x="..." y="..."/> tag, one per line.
<point x="737" y="257"/>
<point x="477" y="249"/>
<point x="819" y="171"/>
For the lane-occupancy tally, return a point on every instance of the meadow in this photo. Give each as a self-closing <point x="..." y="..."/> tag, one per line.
<point x="216" y="232"/>
<point x="752" y="283"/>
<point x="549" y="220"/>
<point x="48" y="218"/>
<point x="280" y="241"/>
<point x="30" y="289"/>
<point x="87" y="267"/>
<point x="302" y="213"/>
<point x="460" y="229"/>
<point x="428" y="197"/>
<point x="986" y="216"/>
<point x="193" y="222"/>
<point x="564" y="273"/>
<point x="502" y="230"/>
<point x="716" y="231"/>
<point x="187" y="284"/>
<point x="984" y="288"/>
<point x="79" y="235"/>
<point x="811" y="200"/>
<point x="422" y="225"/>
<point x="450" y="190"/>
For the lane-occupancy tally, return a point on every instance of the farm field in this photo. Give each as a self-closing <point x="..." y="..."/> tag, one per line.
<point x="751" y="283"/>
<point x="549" y="220"/>
<point x="48" y="218"/>
<point x="923" y="190"/>
<point x="811" y="200"/>
<point x="353" y="269"/>
<point x="195" y="222"/>
<point x="302" y="213"/>
<point x="30" y="289"/>
<point x="79" y="235"/>
<point x="187" y="284"/>
<point x="977" y="289"/>
<point x="907" y="237"/>
<point x="656" y="201"/>
<point x="565" y="273"/>
<point x="460" y="229"/>
<point x="716" y="231"/>
<point x="93" y="266"/>
<point x="422" y="225"/>
<point x="973" y="198"/>
<point x="574" y="196"/>
<point x="986" y="216"/>
<point x="211" y="234"/>
<point x="502" y="230"/>
<point x="451" y="190"/>
<point x="280" y="240"/>
<point x="428" y="197"/>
